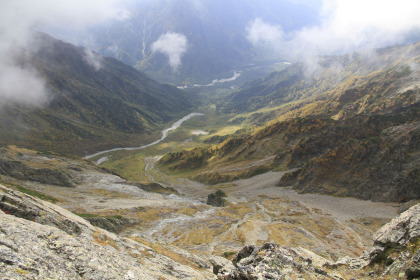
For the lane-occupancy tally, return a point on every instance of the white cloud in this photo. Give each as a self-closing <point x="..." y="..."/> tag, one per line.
<point x="174" y="45"/>
<point x="19" y="82"/>
<point x="93" y="59"/>
<point x="260" y="32"/>
<point x="356" y="24"/>
<point x="22" y="85"/>
<point x="346" y="26"/>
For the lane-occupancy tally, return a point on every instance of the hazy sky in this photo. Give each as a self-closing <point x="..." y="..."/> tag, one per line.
<point x="344" y="26"/>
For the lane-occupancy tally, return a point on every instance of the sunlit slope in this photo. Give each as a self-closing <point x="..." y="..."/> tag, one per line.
<point x="352" y="132"/>
<point x="353" y="76"/>
<point x="95" y="102"/>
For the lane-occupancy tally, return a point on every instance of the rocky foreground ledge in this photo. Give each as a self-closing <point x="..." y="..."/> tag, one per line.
<point x="394" y="255"/>
<point x="39" y="240"/>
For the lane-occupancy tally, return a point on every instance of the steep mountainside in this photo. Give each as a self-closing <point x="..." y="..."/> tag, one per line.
<point x="383" y="167"/>
<point x="93" y="99"/>
<point x="351" y="129"/>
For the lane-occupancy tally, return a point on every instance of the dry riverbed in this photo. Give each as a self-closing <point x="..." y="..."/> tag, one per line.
<point x="258" y="211"/>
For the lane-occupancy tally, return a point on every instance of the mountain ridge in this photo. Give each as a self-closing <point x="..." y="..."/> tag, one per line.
<point x="90" y="103"/>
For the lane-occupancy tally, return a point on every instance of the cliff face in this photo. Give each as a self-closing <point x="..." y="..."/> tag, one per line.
<point x="40" y="240"/>
<point x="394" y="254"/>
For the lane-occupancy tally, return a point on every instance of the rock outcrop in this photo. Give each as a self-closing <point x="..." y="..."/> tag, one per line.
<point x="396" y="246"/>
<point x="272" y="261"/>
<point x="113" y="224"/>
<point x="394" y="254"/>
<point x="39" y="240"/>
<point x="21" y="171"/>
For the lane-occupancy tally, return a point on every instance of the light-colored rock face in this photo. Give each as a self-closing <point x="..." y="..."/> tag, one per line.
<point x="402" y="229"/>
<point x="272" y="261"/>
<point x="394" y="254"/>
<point x="33" y="250"/>
<point x="396" y="246"/>
<point x="36" y="248"/>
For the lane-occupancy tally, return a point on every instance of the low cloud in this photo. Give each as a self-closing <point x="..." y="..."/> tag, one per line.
<point x="19" y="82"/>
<point x="21" y="85"/>
<point x="174" y="45"/>
<point x="92" y="59"/>
<point x="260" y="32"/>
<point x="345" y="26"/>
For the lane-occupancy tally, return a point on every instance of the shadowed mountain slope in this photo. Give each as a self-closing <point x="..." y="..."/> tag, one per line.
<point x="93" y="99"/>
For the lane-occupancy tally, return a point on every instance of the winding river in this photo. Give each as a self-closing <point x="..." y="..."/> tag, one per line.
<point x="236" y="74"/>
<point x="164" y="135"/>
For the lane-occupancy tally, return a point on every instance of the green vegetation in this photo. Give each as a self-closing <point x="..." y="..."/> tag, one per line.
<point x="192" y="159"/>
<point x="157" y="188"/>
<point x="86" y="215"/>
<point x="229" y="255"/>
<point x="131" y="165"/>
<point x="32" y="192"/>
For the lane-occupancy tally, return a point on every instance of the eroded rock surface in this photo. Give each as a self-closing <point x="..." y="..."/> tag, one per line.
<point x="39" y="240"/>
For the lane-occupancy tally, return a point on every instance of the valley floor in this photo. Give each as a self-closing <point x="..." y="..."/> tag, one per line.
<point x="257" y="212"/>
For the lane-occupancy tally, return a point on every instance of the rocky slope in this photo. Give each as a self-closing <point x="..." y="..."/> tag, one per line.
<point x="40" y="240"/>
<point x="255" y="211"/>
<point x="394" y="254"/>
<point x="381" y="168"/>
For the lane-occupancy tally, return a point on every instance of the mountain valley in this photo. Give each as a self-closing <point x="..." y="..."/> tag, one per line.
<point x="216" y="41"/>
<point x="208" y="155"/>
<point x="257" y="211"/>
<point x="341" y="139"/>
<point x="90" y="105"/>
